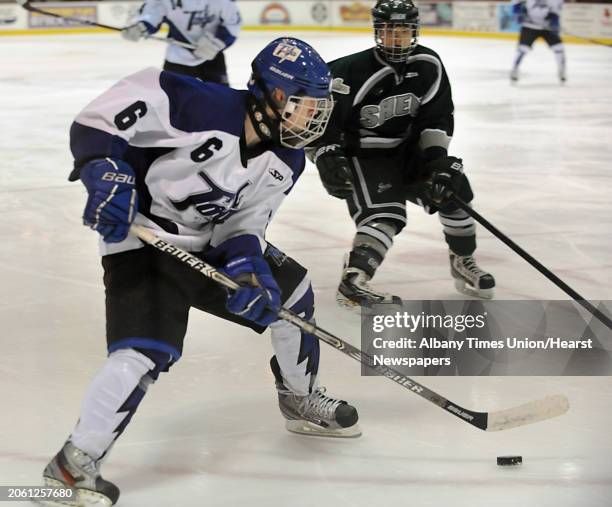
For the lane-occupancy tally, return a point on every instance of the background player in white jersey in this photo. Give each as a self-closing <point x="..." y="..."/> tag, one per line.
<point x="539" y="18"/>
<point x="387" y="140"/>
<point x="211" y="25"/>
<point x="205" y="167"/>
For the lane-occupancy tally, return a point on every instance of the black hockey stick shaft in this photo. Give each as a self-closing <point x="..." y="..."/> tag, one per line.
<point x="29" y="7"/>
<point x="537" y="265"/>
<point x="588" y="39"/>
<point x="505" y="419"/>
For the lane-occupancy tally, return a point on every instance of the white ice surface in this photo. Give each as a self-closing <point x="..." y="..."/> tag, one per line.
<point x="209" y="433"/>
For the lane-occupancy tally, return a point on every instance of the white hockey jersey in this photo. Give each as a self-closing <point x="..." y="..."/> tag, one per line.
<point x="197" y="183"/>
<point x="541" y="14"/>
<point x="188" y="20"/>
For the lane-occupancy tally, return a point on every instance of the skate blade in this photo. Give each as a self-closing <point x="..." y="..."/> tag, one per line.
<point x="469" y="290"/>
<point x="81" y="497"/>
<point x="52" y="483"/>
<point x="347" y="304"/>
<point x="307" y="428"/>
<point x="352" y="306"/>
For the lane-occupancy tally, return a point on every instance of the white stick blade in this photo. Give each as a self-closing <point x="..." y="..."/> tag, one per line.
<point x="529" y="413"/>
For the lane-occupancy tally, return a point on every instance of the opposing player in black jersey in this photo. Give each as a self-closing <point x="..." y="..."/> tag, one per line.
<point x="387" y="142"/>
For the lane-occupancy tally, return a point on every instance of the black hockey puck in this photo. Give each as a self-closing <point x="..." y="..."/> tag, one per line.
<point x="505" y="461"/>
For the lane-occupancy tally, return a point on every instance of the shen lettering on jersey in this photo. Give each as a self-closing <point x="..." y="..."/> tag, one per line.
<point x="390" y="107"/>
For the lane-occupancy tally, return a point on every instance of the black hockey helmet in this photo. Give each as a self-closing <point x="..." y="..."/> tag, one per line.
<point x="396" y="29"/>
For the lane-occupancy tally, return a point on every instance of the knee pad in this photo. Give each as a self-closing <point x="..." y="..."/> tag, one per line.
<point x="162" y="361"/>
<point x="139" y="358"/>
<point x="125" y="369"/>
<point x="376" y="235"/>
<point x="558" y="48"/>
<point x="114" y="395"/>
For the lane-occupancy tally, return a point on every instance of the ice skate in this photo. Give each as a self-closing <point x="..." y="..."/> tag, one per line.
<point x="469" y="278"/>
<point x="562" y="77"/>
<point x="315" y="414"/>
<point x="354" y="291"/>
<point x="514" y="76"/>
<point x="75" y="469"/>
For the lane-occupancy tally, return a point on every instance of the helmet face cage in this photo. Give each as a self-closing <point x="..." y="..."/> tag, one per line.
<point x="395" y="40"/>
<point x="293" y="66"/>
<point x="304" y="119"/>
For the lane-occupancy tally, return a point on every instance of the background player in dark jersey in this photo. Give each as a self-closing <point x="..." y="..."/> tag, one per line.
<point x="387" y="142"/>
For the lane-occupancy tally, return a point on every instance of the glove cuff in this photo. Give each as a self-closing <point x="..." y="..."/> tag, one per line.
<point x="331" y="150"/>
<point x="245" y="245"/>
<point x="434" y="152"/>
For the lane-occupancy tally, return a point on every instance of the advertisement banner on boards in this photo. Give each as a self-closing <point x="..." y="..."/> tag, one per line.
<point x="84" y="12"/>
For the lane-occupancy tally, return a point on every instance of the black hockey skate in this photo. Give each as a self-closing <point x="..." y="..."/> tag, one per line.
<point x="75" y="469"/>
<point x="469" y="278"/>
<point x="315" y="414"/>
<point x="354" y="291"/>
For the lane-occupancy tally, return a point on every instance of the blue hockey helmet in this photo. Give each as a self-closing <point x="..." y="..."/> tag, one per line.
<point x="293" y="66"/>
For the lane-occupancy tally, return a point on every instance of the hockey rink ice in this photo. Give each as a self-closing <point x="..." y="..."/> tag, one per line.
<point x="209" y="433"/>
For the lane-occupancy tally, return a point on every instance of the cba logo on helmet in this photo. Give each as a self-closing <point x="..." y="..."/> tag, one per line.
<point x="295" y="68"/>
<point x="287" y="52"/>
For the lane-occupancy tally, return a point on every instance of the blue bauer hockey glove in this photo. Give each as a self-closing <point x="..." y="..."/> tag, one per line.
<point x="553" y="21"/>
<point x="112" y="202"/>
<point x="258" y="298"/>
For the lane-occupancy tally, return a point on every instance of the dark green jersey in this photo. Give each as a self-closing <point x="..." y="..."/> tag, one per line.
<point x="390" y="105"/>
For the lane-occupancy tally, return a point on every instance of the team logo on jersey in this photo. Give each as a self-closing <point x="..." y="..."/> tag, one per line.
<point x="390" y="107"/>
<point x="274" y="255"/>
<point x="216" y="204"/>
<point x="276" y="175"/>
<point x="199" y="18"/>
<point x="287" y="52"/>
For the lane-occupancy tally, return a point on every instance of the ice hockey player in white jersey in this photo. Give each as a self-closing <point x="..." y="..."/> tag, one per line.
<point x="205" y="167"/>
<point x="210" y="25"/>
<point x="539" y="18"/>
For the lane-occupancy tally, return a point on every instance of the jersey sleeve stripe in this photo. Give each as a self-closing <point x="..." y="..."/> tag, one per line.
<point x="87" y="143"/>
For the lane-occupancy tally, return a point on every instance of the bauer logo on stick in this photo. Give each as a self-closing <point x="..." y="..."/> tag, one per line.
<point x="287" y="52"/>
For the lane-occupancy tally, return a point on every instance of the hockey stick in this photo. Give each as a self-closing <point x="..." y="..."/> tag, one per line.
<point x="29" y="7"/>
<point x="537" y="265"/>
<point x="529" y="413"/>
